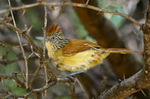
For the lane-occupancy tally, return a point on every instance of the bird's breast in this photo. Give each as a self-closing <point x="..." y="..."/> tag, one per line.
<point x="79" y="61"/>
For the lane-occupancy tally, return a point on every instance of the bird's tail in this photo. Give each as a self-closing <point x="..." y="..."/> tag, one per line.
<point x="118" y="50"/>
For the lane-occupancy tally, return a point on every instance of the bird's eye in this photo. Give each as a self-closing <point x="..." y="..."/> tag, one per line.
<point x="53" y="38"/>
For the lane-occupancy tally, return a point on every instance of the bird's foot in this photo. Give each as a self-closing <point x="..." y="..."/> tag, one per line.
<point x="72" y="79"/>
<point x="73" y="74"/>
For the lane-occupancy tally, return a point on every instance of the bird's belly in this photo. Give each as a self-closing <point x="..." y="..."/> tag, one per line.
<point x="80" y="61"/>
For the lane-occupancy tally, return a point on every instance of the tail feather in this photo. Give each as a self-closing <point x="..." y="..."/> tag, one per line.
<point x="119" y="50"/>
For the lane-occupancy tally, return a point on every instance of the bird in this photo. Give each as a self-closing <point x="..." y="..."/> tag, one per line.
<point x="76" y="55"/>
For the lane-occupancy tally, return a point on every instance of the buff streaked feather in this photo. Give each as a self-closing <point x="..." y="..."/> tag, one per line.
<point x="53" y="29"/>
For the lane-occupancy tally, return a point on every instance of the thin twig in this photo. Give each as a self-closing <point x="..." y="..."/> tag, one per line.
<point x="6" y="61"/>
<point x="44" y="48"/>
<point x="21" y="46"/>
<point x="59" y="80"/>
<point x="11" y="26"/>
<point x="35" y="74"/>
<point x="44" y="31"/>
<point x="32" y="91"/>
<point x="50" y="72"/>
<point x="59" y="14"/>
<point x="13" y="76"/>
<point x="83" y="89"/>
<point x="72" y="89"/>
<point x="75" y="5"/>
<point x="87" y="2"/>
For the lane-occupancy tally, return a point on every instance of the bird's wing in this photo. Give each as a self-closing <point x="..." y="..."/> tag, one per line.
<point x="76" y="45"/>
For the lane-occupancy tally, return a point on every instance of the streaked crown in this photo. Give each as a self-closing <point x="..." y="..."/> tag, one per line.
<point x="53" y="29"/>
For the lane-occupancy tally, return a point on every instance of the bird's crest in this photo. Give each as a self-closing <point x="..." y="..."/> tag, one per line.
<point x="53" y="29"/>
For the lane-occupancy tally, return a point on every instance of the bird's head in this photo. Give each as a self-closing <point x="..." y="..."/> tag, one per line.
<point x="54" y="34"/>
<point x="54" y="37"/>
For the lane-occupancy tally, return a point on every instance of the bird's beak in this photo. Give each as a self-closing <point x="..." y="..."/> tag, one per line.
<point x="40" y="38"/>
